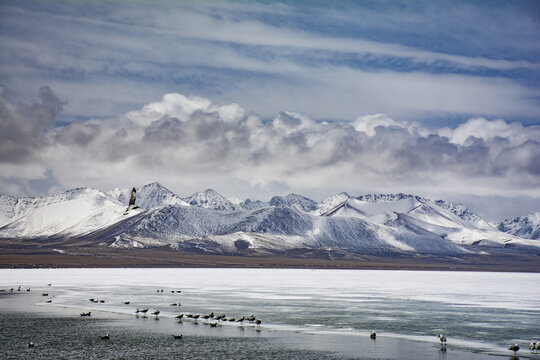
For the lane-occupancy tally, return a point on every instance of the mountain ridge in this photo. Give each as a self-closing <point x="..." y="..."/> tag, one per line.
<point x="207" y="222"/>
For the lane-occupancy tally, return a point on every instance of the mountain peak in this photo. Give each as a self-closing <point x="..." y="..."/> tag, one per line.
<point x="210" y="199"/>
<point x="148" y="196"/>
<point x="526" y="226"/>
<point x="296" y="201"/>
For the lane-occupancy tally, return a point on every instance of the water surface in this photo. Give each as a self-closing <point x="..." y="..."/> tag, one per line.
<point x="328" y="311"/>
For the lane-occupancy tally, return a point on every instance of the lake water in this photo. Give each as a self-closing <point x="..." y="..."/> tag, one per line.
<point x="480" y="313"/>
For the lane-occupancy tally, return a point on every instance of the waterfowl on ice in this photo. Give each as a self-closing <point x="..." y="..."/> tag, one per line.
<point x="514" y="348"/>
<point x="442" y="338"/>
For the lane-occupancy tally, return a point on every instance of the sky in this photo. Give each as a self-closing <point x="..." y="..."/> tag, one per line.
<point x="261" y="98"/>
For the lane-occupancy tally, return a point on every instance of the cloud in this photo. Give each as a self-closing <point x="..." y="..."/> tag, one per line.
<point x="110" y="58"/>
<point x="190" y="143"/>
<point x="23" y="129"/>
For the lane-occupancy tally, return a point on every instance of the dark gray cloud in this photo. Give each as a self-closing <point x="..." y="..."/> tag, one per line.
<point x="25" y="129"/>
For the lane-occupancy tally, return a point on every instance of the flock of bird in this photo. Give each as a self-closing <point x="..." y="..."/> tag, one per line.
<point x="213" y="319"/>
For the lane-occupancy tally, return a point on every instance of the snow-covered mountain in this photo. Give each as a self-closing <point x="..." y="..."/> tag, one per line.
<point x="527" y="226"/>
<point x="148" y="196"/>
<point x="210" y="199"/>
<point x="294" y="201"/>
<point x="375" y="224"/>
<point x="448" y="220"/>
<point x="70" y="213"/>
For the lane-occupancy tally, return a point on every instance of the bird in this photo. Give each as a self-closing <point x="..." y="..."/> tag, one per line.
<point x="31" y="344"/>
<point x="127" y="302"/>
<point x="131" y="204"/>
<point x="442" y="338"/>
<point x="373" y="335"/>
<point x="155" y="312"/>
<point x="196" y="316"/>
<point x="514" y="348"/>
<point x="241" y="319"/>
<point x="106" y="337"/>
<point x="532" y="346"/>
<point x="179" y="316"/>
<point x="213" y="324"/>
<point x="144" y="311"/>
<point x="173" y="304"/>
<point x="177" y="336"/>
<point x="258" y="322"/>
<point x="86" y="313"/>
<point x="251" y="318"/>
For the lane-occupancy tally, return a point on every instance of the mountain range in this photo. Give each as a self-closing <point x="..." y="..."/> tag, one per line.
<point x="206" y="222"/>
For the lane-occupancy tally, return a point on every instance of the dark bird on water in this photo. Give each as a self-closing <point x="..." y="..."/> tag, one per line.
<point x="132" y="205"/>
<point x="106" y="337"/>
<point x="514" y="348"/>
<point x="373" y="335"/>
<point x="177" y="336"/>
<point x="442" y="338"/>
<point x="31" y="344"/>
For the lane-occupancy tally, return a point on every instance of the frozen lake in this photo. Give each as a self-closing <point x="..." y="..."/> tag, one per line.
<point x="478" y="312"/>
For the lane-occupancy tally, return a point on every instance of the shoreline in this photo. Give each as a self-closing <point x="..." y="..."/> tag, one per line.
<point x="282" y="344"/>
<point x="84" y="257"/>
